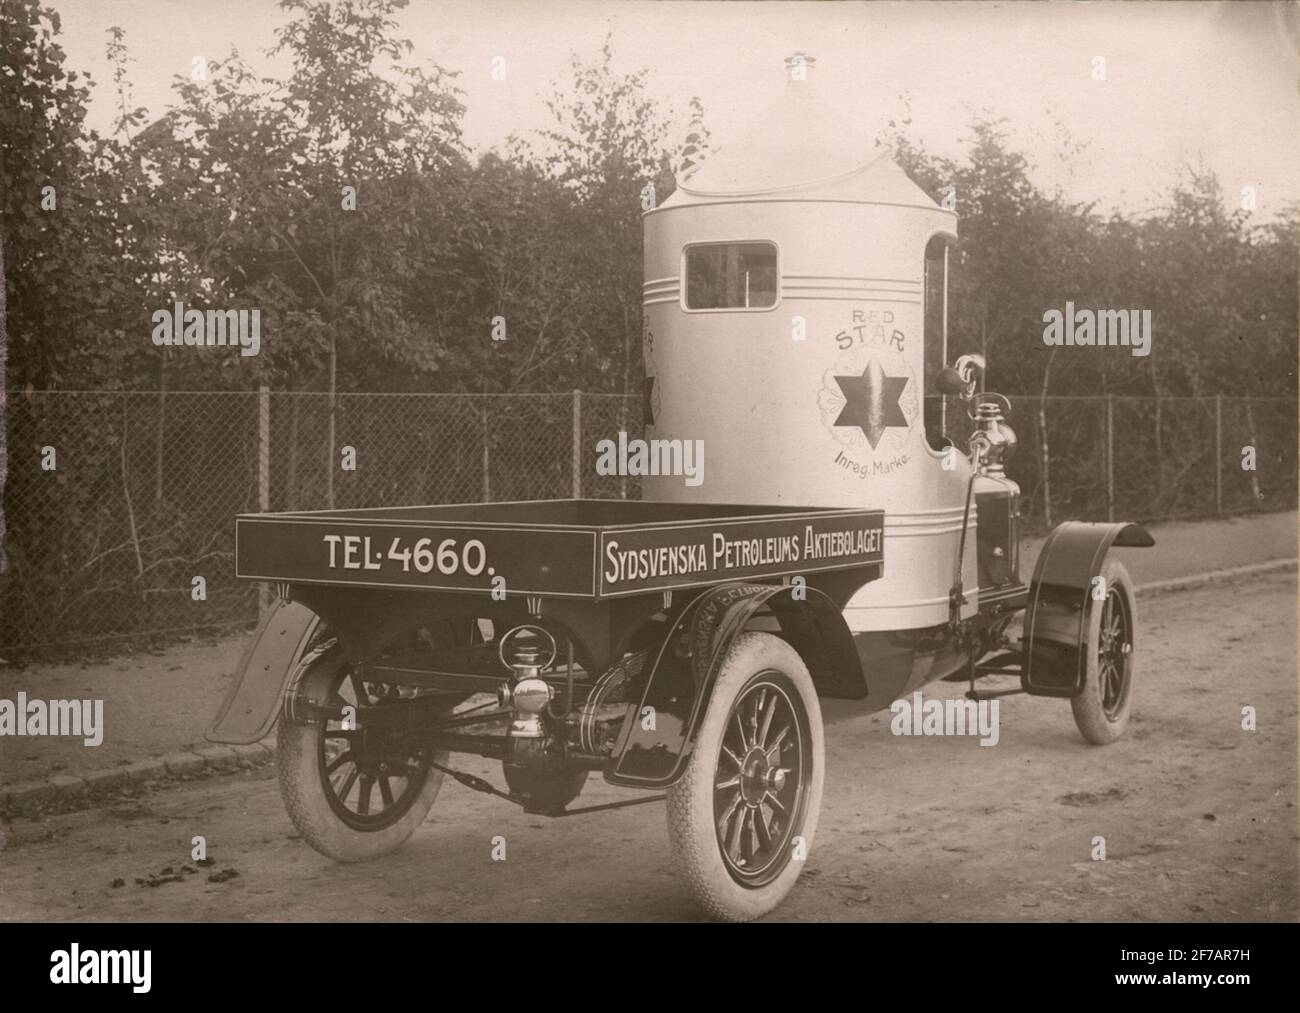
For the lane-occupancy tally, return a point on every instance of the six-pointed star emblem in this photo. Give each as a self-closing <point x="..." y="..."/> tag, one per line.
<point x="871" y="402"/>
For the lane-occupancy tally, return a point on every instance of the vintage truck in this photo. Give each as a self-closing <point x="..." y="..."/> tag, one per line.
<point x="841" y="545"/>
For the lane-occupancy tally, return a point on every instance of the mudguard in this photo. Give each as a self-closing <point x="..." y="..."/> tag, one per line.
<point x="1059" y="595"/>
<point x="253" y="702"/>
<point x="681" y="677"/>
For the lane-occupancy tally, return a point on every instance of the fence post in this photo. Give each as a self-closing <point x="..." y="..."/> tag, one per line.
<point x="1110" y="457"/>
<point x="1046" y="460"/>
<point x="1218" y="453"/>
<point x="487" y="478"/>
<point x="331" y="463"/>
<point x="577" y="445"/>
<point x="263" y="477"/>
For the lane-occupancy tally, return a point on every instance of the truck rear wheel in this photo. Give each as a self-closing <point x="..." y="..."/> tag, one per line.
<point x="1102" y="710"/>
<point x="353" y="793"/>
<point x="741" y="819"/>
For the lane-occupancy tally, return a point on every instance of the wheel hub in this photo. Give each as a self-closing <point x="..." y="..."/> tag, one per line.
<point x="755" y="778"/>
<point x="372" y="773"/>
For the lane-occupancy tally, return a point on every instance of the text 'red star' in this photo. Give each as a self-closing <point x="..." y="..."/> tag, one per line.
<point x="871" y="402"/>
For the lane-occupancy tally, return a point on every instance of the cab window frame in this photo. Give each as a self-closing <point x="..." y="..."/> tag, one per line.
<point x="685" y="277"/>
<point x="936" y="275"/>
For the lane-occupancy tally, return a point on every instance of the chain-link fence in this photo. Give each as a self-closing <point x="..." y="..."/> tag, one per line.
<point x="1147" y="459"/>
<point x="115" y="502"/>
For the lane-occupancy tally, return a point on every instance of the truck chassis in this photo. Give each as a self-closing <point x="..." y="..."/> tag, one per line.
<point x="677" y="649"/>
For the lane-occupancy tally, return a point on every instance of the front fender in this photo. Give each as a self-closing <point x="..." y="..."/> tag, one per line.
<point x="1057" y="612"/>
<point x="679" y="682"/>
<point x="272" y="655"/>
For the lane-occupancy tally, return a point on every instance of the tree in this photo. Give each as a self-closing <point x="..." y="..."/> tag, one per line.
<point x="362" y="119"/>
<point x="44" y="209"/>
<point x="608" y="149"/>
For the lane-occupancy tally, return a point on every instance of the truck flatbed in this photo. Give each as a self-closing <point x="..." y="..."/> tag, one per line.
<point x="572" y="548"/>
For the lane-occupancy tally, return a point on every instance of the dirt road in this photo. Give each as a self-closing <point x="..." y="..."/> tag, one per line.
<point x="1198" y="817"/>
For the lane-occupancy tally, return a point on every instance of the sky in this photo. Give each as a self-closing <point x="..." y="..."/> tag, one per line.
<point x="1185" y="83"/>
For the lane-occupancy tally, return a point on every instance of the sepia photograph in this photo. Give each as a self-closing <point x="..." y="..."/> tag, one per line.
<point x="601" y="461"/>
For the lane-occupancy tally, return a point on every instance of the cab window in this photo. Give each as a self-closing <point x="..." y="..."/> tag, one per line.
<point x="936" y="282"/>
<point x="731" y="276"/>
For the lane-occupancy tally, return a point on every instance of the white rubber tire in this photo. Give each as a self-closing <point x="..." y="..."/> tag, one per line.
<point x="304" y="794"/>
<point x="1097" y="726"/>
<point x="691" y="827"/>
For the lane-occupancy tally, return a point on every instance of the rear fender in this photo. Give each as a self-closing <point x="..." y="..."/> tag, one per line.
<point x="1059" y="597"/>
<point x="277" y="647"/>
<point x="659" y="730"/>
<point x="310" y="695"/>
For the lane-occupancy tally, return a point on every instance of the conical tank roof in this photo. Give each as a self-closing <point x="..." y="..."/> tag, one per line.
<point x="803" y="145"/>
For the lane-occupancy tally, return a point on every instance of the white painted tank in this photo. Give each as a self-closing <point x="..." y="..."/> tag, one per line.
<point x="784" y="311"/>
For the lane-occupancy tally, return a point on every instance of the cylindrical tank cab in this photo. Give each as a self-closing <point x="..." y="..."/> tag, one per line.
<point x="789" y="282"/>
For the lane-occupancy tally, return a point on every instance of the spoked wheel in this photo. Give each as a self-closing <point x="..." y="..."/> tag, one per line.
<point x="1101" y="710"/>
<point x="757" y="806"/>
<point x="741" y="819"/>
<point x="354" y="792"/>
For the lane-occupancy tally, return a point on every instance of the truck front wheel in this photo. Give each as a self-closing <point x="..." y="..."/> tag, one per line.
<point x="1101" y="710"/>
<point x="741" y="819"/>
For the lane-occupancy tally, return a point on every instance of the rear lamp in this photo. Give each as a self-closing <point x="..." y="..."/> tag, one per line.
<point x="526" y="651"/>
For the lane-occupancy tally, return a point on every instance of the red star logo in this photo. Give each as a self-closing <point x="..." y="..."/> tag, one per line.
<point x="871" y="402"/>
